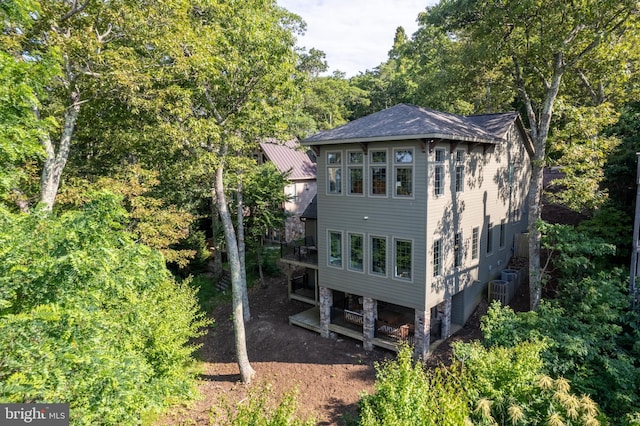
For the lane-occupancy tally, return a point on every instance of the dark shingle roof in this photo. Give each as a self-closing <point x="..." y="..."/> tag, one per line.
<point x="311" y="212"/>
<point x="413" y="122"/>
<point x="288" y="156"/>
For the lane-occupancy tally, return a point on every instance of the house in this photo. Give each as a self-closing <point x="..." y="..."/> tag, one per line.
<point x="417" y="211"/>
<point x="289" y="157"/>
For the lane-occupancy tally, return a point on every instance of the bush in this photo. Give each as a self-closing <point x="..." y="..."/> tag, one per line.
<point x="91" y="318"/>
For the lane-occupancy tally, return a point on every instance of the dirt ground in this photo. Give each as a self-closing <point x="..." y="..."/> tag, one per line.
<point x="329" y="374"/>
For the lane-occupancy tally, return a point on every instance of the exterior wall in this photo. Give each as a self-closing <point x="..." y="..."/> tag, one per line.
<point x="388" y="217"/>
<point x="300" y="193"/>
<point x="495" y="189"/>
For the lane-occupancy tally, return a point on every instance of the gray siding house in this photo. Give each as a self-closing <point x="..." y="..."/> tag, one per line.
<point x="417" y="210"/>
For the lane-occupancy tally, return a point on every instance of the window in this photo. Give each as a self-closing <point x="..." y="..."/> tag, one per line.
<point x="490" y="237"/>
<point x="503" y="229"/>
<point x="403" y="259"/>
<point x="335" y="249"/>
<point x="356" y="252"/>
<point x="334" y="172"/>
<point x="475" y="240"/>
<point x="437" y="257"/>
<point x="356" y="172"/>
<point x="457" y="250"/>
<point x="438" y="177"/>
<point x="459" y="170"/>
<point x="403" y="169"/>
<point x="378" y="172"/>
<point x="379" y="255"/>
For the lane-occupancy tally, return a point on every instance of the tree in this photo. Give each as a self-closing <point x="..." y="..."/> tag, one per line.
<point x="540" y="43"/>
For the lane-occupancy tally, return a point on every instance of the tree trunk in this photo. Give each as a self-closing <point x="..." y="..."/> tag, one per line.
<point x="215" y="228"/>
<point x="540" y="136"/>
<point x="55" y="162"/>
<point x="247" y="373"/>
<point x="242" y="252"/>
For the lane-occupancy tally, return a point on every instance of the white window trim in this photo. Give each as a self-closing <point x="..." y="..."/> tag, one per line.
<point x="478" y="242"/>
<point x="404" y="165"/>
<point x="334" y="166"/>
<point x="363" y="166"/>
<point x="370" y="173"/>
<point x="342" y="252"/>
<point x="461" y="251"/>
<point x="502" y="236"/>
<point x="395" y="263"/>
<point x="364" y="253"/>
<point x="438" y="164"/>
<point x="442" y="257"/>
<point x="386" y="256"/>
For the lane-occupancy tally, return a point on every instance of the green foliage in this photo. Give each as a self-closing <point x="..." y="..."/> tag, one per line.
<point x="505" y="386"/>
<point x="407" y="394"/>
<point x="587" y="337"/>
<point x="574" y="253"/>
<point x="92" y="318"/>
<point x="255" y="410"/>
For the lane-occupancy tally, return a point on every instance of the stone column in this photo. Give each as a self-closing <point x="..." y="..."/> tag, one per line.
<point x="369" y="314"/>
<point x="422" y="334"/>
<point x="446" y="319"/>
<point x="326" y="302"/>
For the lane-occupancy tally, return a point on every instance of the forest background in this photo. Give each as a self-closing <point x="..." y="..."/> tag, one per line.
<point x="127" y="133"/>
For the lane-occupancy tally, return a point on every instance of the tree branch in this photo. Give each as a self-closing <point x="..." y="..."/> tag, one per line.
<point x="75" y="8"/>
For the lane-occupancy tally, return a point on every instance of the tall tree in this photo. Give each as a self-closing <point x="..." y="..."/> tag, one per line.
<point x="539" y="43"/>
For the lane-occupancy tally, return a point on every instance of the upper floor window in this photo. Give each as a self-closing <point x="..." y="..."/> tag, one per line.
<point x="437" y="257"/>
<point x="356" y="252"/>
<point x="335" y="249"/>
<point x="378" y="173"/>
<point x="334" y="172"/>
<point x="378" y="255"/>
<point x="438" y="177"/>
<point x="403" y="259"/>
<point x="355" y="164"/>
<point x="475" y="242"/>
<point x="459" y="170"/>
<point x="403" y="169"/>
<point x="457" y="250"/>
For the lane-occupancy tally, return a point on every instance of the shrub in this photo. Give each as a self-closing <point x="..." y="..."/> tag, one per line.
<point x="91" y="318"/>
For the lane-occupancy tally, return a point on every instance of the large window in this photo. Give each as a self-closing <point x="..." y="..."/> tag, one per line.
<point x="356" y="172"/>
<point x="459" y="170"/>
<point x="403" y="169"/>
<point x="356" y="252"/>
<point x="334" y="172"/>
<point x="403" y="259"/>
<point x="335" y="249"/>
<point x="378" y="255"/>
<point x="437" y="258"/>
<point x="438" y="173"/>
<point x="378" y="172"/>
<point x="475" y="242"/>
<point x="457" y="250"/>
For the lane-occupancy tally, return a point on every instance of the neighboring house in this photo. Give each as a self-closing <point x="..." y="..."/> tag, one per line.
<point x="289" y="157"/>
<point x="417" y="210"/>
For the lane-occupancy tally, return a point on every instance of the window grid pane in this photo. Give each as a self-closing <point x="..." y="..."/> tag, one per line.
<point x="356" y="246"/>
<point x="403" y="259"/>
<point x="437" y="258"/>
<point x="475" y="242"/>
<point x="404" y="181"/>
<point x="459" y="178"/>
<point x="490" y="238"/>
<point x="439" y="180"/>
<point x="378" y="256"/>
<point x="334" y="177"/>
<point x="379" y="180"/>
<point x="457" y="250"/>
<point x="355" y="180"/>
<point x="335" y="249"/>
<point x="502" y="233"/>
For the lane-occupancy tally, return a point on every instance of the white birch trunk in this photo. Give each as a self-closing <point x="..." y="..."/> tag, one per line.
<point x="247" y="373"/>
<point x="242" y="252"/>
<point x="55" y="162"/>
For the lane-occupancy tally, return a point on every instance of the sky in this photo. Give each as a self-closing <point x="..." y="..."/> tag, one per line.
<point x="356" y="35"/>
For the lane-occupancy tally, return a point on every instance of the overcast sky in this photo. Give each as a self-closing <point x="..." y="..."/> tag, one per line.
<point x="356" y="35"/>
